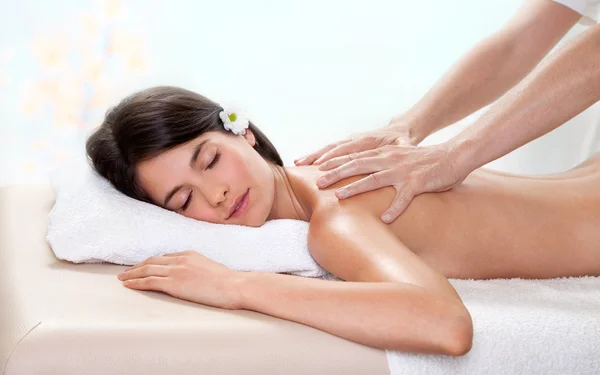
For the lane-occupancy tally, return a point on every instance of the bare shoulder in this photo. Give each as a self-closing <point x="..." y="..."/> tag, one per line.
<point x="355" y="245"/>
<point x="336" y="241"/>
<point x="372" y="203"/>
<point x="331" y="218"/>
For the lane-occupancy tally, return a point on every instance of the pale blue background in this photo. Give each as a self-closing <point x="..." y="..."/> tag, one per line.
<point x="306" y="72"/>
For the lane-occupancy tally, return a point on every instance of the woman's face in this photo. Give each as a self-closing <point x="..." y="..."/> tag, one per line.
<point x="208" y="185"/>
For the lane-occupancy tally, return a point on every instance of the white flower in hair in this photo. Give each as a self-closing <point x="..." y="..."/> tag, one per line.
<point x="234" y="122"/>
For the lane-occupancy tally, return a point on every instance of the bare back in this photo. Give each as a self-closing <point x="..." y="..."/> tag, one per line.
<point x="497" y="225"/>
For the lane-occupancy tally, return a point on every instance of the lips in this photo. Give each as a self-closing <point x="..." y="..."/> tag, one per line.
<point x="234" y="207"/>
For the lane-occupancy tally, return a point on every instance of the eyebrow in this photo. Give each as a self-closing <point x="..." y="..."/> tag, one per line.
<point x="192" y="164"/>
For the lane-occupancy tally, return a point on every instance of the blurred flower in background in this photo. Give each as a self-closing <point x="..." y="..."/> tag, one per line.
<point x="69" y="72"/>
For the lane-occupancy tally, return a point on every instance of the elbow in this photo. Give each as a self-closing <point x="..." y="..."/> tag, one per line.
<point x="459" y="338"/>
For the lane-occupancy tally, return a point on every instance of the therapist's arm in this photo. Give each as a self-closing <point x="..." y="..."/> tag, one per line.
<point x="491" y="67"/>
<point x="486" y="72"/>
<point x="562" y="86"/>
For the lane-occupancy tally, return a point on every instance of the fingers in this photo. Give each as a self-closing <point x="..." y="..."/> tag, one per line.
<point x="341" y="160"/>
<point x="310" y="158"/>
<point x="160" y="284"/>
<point x="353" y="168"/>
<point x="187" y="252"/>
<point x="343" y="149"/>
<point x="371" y="182"/>
<point x="148" y="270"/>
<point x="401" y="201"/>
<point x="404" y="193"/>
<point x="160" y="260"/>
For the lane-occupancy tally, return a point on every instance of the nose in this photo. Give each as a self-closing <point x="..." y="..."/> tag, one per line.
<point x="216" y="194"/>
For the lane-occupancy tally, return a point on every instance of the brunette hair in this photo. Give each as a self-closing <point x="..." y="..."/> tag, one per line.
<point x="150" y="122"/>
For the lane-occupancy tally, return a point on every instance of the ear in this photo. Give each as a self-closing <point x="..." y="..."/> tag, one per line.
<point x="249" y="136"/>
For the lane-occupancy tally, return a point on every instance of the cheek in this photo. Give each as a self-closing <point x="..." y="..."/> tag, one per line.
<point x="202" y="211"/>
<point x="238" y="172"/>
<point x="261" y="176"/>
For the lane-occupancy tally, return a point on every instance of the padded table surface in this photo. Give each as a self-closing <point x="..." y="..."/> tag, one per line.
<point x="62" y="318"/>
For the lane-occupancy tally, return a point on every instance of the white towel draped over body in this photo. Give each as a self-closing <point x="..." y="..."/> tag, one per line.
<point x="521" y="326"/>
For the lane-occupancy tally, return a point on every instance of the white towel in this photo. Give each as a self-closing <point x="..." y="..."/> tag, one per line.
<point x="549" y="327"/>
<point x="93" y="222"/>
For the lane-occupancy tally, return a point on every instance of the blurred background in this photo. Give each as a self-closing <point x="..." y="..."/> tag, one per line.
<point x="306" y="72"/>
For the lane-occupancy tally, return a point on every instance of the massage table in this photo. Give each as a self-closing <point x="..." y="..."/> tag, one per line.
<point x="63" y="318"/>
<point x="66" y="319"/>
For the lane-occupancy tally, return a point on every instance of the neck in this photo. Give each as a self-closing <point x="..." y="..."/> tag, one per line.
<point x="289" y="201"/>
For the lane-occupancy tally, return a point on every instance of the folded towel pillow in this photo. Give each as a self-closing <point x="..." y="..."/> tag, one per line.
<point x="91" y="221"/>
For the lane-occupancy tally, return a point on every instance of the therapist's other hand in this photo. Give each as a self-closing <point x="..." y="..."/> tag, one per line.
<point x="187" y="275"/>
<point x="410" y="170"/>
<point x="389" y="135"/>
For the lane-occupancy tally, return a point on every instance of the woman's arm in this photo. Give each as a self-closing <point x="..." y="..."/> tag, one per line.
<point x="391" y="299"/>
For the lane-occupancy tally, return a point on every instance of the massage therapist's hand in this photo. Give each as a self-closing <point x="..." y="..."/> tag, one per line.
<point x="396" y="133"/>
<point x="187" y="275"/>
<point x="410" y="170"/>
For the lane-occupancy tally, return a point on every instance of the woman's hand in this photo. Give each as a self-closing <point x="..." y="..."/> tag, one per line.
<point x="187" y="275"/>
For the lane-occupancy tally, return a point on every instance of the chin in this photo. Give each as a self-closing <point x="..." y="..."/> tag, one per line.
<point x="256" y="221"/>
<point x="254" y="225"/>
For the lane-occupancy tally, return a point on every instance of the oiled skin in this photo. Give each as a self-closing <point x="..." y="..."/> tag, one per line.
<point x="494" y="225"/>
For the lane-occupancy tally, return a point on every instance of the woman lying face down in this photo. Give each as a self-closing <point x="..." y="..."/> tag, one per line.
<point x="169" y="146"/>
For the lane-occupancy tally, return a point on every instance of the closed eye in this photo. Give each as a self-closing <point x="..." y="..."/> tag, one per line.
<point x="210" y="166"/>
<point x="187" y="202"/>
<point x="214" y="161"/>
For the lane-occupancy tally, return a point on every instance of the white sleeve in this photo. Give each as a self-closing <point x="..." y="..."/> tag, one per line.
<point x="589" y="9"/>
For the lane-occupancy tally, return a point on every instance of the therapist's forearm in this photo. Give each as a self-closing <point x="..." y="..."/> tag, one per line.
<point x="480" y="77"/>
<point x="559" y="89"/>
<point x="490" y="68"/>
